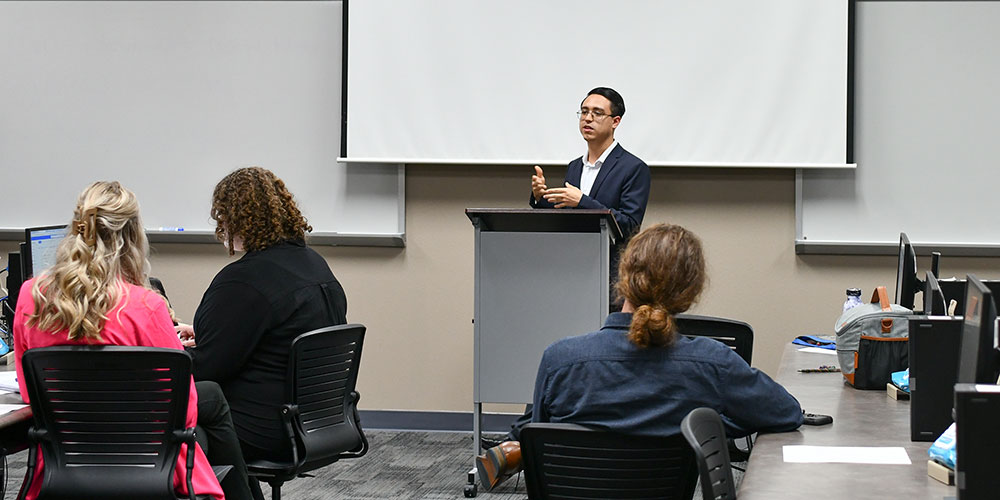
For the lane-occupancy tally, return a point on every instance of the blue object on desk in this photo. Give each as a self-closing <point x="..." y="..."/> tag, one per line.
<point x="4" y="348"/>
<point x="943" y="450"/>
<point x="814" y="341"/>
<point x="902" y="379"/>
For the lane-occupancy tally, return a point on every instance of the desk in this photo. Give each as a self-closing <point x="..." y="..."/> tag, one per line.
<point x="860" y="418"/>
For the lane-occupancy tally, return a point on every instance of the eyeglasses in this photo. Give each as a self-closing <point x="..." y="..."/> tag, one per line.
<point x="598" y="114"/>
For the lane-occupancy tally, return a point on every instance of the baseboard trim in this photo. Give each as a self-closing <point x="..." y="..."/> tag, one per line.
<point x="445" y="421"/>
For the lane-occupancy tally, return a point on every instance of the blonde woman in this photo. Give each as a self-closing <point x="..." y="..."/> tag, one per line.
<point x="98" y="293"/>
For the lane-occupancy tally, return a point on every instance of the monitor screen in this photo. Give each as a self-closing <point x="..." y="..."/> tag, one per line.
<point x="934" y="300"/>
<point x="40" y="248"/>
<point x="977" y="362"/>
<point x="906" y="273"/>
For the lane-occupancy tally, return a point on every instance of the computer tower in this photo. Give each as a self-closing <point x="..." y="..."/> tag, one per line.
<point x="934" y="347"/>
<point x="977" y="412"/>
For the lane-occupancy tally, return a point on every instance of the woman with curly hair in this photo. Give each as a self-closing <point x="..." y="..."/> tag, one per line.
<point x="256" y="306"/>
<point x="98" y="293"/>
<point x="637" y="375"/>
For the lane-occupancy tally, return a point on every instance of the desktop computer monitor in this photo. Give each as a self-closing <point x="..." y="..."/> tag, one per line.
<point x="40" y="248"/>
<point x="906" y="273"/>
<point x="934" y="300"/>
<point x="977" y="361"/>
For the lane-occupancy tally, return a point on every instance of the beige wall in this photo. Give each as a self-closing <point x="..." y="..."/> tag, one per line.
<point x="417" y="301"/>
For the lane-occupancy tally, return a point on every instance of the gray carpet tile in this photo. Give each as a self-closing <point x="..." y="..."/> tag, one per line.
<point x="400" y="465"/>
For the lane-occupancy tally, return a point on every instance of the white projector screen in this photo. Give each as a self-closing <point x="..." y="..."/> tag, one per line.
<point x="726" y="82"/>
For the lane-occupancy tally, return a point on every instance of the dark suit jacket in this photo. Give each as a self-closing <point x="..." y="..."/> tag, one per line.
<point x="622" y="185"/>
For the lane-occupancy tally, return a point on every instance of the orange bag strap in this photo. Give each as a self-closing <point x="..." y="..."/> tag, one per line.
<point x="882" y="297"/>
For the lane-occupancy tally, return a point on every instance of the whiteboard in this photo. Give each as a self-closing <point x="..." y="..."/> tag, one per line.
<point x="721" y="83"/>
<point x="169" y="97"/>
<point x="926" y="109"/>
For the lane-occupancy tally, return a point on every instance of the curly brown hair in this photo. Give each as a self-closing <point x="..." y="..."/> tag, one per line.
<point x="253" y="204"/>
<point x="661" y="273"/>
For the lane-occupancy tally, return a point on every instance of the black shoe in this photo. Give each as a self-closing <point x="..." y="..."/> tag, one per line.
<point x="486" y="442"/>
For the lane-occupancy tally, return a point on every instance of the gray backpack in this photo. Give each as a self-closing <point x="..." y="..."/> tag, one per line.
<point x="872" y="341"/>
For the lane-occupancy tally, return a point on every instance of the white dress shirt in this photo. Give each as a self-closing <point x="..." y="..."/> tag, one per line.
<point x="590" y="170"/>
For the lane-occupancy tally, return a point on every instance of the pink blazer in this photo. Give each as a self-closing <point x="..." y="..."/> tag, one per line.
<point x="141" y="319"/>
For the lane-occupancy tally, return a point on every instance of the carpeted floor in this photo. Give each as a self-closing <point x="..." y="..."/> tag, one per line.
<point x="400" y="465"/>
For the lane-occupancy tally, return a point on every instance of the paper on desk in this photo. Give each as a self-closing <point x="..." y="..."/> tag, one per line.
<point x="817" y="350"/>
<point x="7" y="408"/>
<point x="8" y="381"/>
<point x="886" y="455"/>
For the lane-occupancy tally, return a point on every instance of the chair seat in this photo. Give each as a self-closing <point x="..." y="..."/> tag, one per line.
<point x="221" y="471"/>
<point x="269" y="468"/>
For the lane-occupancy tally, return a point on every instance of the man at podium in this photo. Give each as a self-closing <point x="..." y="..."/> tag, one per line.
<point x="605" y="177"/>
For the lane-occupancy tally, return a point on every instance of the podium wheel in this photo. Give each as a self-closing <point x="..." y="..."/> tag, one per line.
<point x="471" y="487"/>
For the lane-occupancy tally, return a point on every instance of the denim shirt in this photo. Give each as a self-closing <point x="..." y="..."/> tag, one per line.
<point x="603" y="380"/>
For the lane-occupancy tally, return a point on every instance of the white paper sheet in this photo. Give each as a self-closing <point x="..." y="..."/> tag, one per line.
<point x="817" y="350"/>
<point x="8" y="381"/>
<point x="887" y="455"/>
<point x="7" y="408"/>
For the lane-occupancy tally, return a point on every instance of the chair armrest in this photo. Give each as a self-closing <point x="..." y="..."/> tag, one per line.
<point x="187" y="436"/>
<point x="289" y="414"/>
<point x="35" y="437"/>
<point x="363" y="448"/>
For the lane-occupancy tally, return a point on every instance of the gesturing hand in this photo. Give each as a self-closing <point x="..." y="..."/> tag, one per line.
<point x="568" y="196"/>
<point x="538" y="184"/>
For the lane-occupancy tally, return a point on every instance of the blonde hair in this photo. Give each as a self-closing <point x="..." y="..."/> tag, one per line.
<point x="105" y="248"/>
<point x="661" y="273"/>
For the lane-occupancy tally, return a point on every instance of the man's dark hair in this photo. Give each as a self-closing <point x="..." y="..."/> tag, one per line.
<point x="617" y="103"/>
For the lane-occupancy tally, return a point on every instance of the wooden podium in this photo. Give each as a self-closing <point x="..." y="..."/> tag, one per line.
<point x="541" y="275"/>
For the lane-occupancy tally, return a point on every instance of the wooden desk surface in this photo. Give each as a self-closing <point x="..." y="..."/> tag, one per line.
<point x="860" y="418"/>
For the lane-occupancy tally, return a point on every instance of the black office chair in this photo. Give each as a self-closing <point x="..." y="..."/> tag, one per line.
<point x="567" y="461"/>
<point x="704" y="432"/>
<point x="320" y="413"/>
<point x="735" y="334"/>
<point x="110" y="421"/>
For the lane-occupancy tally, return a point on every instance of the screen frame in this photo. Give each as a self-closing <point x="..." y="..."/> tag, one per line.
<point x="906" y="273"/>
<point x="977" y="362"/>
<point x="27" y="270"/>
<point x="934" y="296"/>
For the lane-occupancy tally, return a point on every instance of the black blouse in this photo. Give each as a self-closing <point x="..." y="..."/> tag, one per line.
<point x="245" y="325"/>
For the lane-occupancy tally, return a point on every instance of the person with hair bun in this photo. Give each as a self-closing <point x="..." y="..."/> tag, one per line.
<point x="637" y="375"/>
<point x="98" y="293"/>
<point x="255" y="307"/>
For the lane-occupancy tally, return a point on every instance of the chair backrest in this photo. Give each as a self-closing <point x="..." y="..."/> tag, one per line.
<point x="564" y="461"/>
<point x="704" y="432"/>
<point x="735" y="334"/>
<point x="322" y="375"/>
<point x="108" y="418"/>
